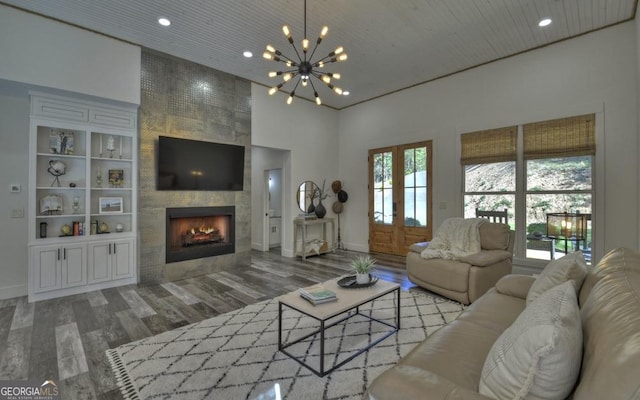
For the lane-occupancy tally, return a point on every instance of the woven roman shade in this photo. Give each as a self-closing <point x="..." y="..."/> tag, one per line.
<point x="564" y="137"/>
<point x="493" y="145"/>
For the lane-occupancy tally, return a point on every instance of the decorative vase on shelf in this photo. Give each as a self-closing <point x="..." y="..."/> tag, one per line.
<point x="320" y="210"/>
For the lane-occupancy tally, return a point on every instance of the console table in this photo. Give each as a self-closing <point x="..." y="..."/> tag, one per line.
<point x="300" y="226"/>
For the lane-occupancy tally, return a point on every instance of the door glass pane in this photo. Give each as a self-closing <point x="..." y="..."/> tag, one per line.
<point x="410" y="207"/>
<point x="383" y="188"/>
<point x="415" y="183"/>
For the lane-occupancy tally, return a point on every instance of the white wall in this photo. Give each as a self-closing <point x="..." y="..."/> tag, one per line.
<point x="310" y="132"/>
<point x="637" y="21"/>
<point x="45" y="55"/>
<point x="14" y="141"/>
<point x="40" y="51"/>
<point x="592" y="73"/>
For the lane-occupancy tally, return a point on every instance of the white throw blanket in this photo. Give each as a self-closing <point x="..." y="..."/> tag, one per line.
<point x="456" y="238"/>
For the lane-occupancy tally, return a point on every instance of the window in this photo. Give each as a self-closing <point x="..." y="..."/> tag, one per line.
<point x="557" y="176"/>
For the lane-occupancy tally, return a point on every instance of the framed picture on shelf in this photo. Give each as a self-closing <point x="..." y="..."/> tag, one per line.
<point x="60" y="142"/>
<point x="110" y="205"/>
<point x="116" y="177"/>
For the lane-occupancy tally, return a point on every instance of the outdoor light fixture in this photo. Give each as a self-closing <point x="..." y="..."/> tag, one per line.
<point x="567" y="227"/>
<point x="304" y="68"/>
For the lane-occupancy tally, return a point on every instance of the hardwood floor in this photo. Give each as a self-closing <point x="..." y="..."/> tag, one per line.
<point x="65" y="339"/>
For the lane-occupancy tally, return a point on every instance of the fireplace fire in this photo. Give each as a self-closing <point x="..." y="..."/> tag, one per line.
<point x="202" y="235"/>
<point x="197" y="232"/>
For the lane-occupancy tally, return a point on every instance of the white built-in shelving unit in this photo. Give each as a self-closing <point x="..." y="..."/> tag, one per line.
<point x="82" y="223"/>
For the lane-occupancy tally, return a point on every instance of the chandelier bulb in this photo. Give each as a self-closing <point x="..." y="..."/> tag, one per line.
<point x="273" y="90"/>
<point x="326" y="79"/>
<point x="267" y="55"/>
<point x="337" y="90"/>
<point x="321" y="64"/>
<point x="324" y="31"/>
<point x="273" y="74"/>
<point x="290" y="98"/>
<point x="304" y="82"/>
<point x="285" y="30"/>
<point x="318" y="101"/>
<point x="305" y="45"/>
<point x="286" y="77"/>
<point x="339" y="50"/>
<point x="289" y="64"/>
<point x="335" y="75"/>
<point x="342" y="57"/>
<point x="271" y="48"/>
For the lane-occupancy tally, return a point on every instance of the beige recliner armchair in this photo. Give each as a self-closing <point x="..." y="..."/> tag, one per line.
<point x="468" y="278"/>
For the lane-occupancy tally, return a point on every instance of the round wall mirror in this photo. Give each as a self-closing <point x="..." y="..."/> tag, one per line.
<point x="305" y="195"/>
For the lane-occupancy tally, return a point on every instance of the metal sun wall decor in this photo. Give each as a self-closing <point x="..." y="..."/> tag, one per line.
<point x="304" y="67"/>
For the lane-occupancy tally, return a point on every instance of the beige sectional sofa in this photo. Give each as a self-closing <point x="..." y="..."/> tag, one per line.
<point x="460" y="360"/>
<point x="467" y="279"/>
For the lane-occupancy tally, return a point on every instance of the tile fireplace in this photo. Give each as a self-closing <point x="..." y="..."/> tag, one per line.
<point x="197" y="232"/>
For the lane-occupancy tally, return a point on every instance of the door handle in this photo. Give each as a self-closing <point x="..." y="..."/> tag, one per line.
<point x="109" y="248"/>
<point x="58" y="254"/>
<point x="395" y="208"/>
<point x="114" y="248"/>
<point x="64" y="253"/>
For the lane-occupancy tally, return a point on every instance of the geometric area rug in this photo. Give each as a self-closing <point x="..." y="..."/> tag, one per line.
<point x="235" y="355"/>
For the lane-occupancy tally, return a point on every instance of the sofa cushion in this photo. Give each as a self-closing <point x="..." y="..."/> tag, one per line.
<point x="486" y="257"/>
<point x="570" y="267"/>
<point x="457" y="351"/>
<point x="494" y="236"/>
<point x="611" y="324"/>
<point x="449" y="274"/>
<point x="538" y="356"/>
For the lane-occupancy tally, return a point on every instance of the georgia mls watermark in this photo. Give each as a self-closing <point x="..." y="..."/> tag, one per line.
<point x="29" y="390"/>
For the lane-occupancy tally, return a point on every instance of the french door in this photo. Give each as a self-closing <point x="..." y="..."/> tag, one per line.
<point x="400" y="197"/>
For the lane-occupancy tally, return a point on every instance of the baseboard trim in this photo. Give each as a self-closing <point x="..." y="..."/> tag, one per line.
<point x="9" y="292"/>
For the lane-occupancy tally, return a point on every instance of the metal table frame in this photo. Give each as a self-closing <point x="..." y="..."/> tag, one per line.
<point x="322" y="372"/>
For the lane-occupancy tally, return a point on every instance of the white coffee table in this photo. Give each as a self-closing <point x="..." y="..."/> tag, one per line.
<point x="349" y="302"/>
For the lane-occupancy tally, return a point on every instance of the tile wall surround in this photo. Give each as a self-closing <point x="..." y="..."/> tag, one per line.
<point x="187" y="100"/>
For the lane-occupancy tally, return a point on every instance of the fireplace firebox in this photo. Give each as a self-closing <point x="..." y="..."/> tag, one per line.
<point x="197" y="232"/>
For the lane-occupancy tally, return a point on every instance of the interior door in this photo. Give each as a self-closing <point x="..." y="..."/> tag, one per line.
<point x="400" y="197"/>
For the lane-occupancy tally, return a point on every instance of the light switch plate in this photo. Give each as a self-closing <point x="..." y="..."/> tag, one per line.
<point x="15" y="188"/>
<point x="17" y="213"/>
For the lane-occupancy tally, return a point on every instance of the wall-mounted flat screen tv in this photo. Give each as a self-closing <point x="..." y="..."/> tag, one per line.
<point x="185" y="164"/>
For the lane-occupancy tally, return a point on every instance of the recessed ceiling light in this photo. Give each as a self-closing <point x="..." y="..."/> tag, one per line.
<point x="544" y="22"/>
<point x="164" y="22"/>
<point x="247" y="54"/>
<point x="345" y="92"/>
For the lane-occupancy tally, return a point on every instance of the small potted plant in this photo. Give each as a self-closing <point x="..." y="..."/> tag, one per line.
<point x="363" y="265"/>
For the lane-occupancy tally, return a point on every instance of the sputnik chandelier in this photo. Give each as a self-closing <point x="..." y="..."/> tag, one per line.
<point x="304" y="68"/>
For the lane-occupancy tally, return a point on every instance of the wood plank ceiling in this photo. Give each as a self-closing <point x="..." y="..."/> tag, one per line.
<point x="391" y="44"/>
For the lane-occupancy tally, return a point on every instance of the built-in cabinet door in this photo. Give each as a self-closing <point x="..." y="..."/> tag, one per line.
<point x="122" y="258"/>
<point x="73" y="265"/>
<point x="99" y="262"/>
<point x="46" y="268"/>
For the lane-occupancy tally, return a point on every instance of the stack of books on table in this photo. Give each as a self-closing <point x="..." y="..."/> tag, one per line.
<point x="317" y="294"/>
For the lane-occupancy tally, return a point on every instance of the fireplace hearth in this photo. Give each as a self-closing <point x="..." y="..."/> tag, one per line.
<point x="198" y="232"/>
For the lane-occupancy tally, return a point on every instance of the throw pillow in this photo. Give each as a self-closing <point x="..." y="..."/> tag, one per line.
<point x="570" y="267"/>
<point x="539" y="355"/>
